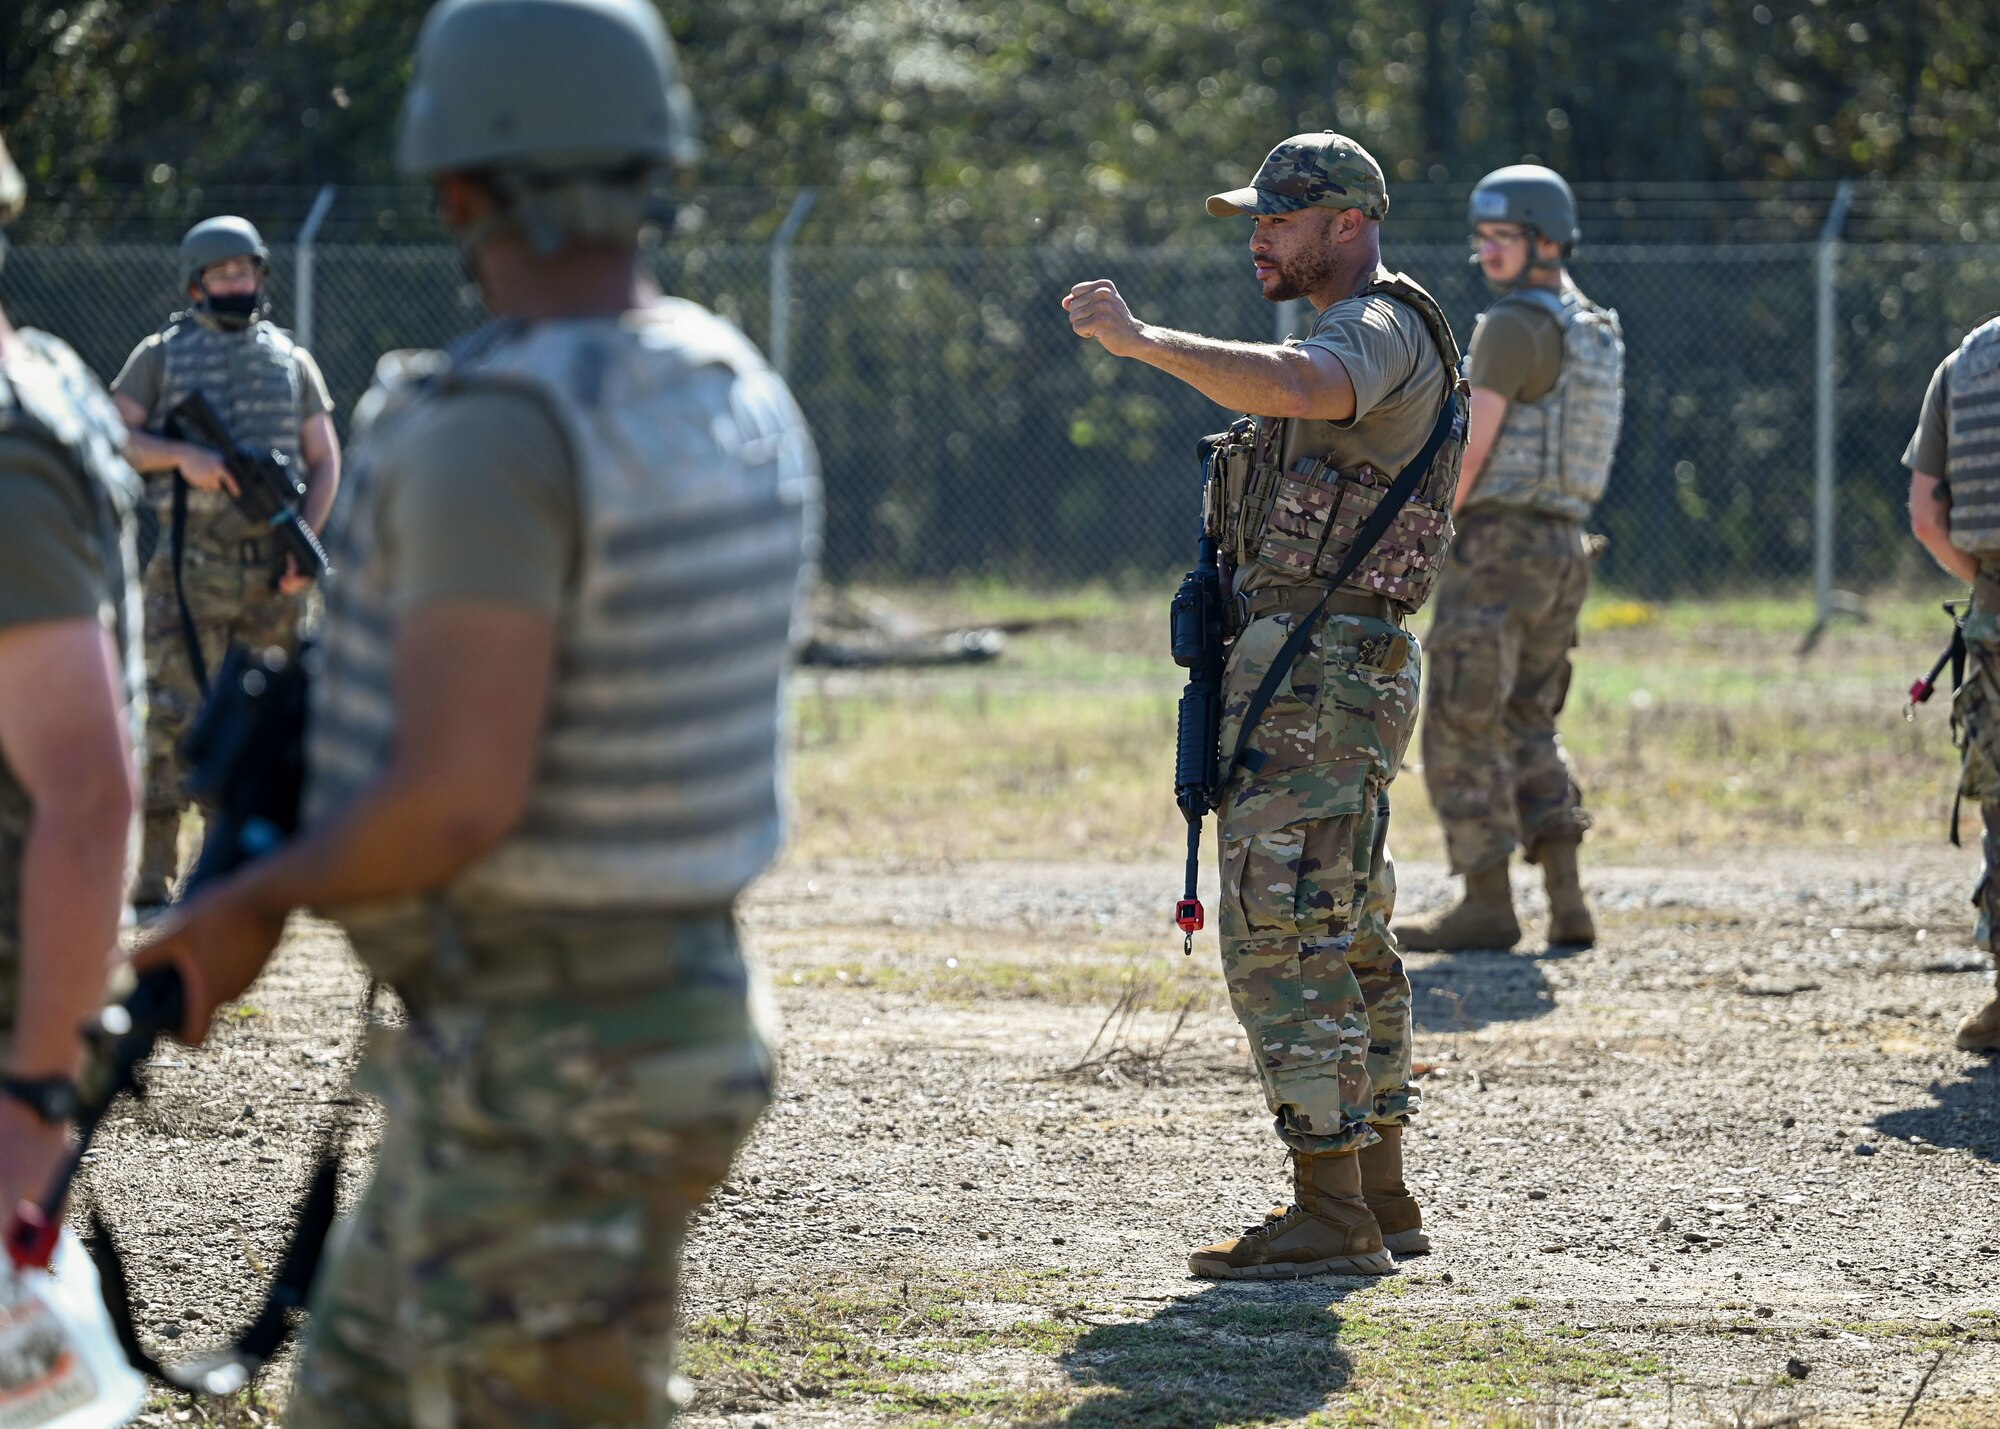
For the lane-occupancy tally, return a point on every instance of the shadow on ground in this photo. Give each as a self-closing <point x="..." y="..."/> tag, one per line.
<point x="1242" y="1353"/>
<point x="1964" y="1112"/>
<point x="1463" y="992"/>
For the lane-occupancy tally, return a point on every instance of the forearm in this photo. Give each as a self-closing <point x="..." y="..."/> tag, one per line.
<point x="402" y="835"/>
<point x="1938" y="543"/>
<point x="1259" y="378"/>
<point x="322" y="484"/>
<point x="72" y="898"/>
<point x="149" y="452"/>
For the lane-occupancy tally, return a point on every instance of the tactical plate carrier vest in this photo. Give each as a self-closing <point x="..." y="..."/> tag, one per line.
<point x="697" y="497"/>
<point x="1303" y="520"/>
<point x="49" y="397"/>
<point x="1553" y="457"/>
<point x="251" y="378"/>
<point x="1972" y="448"/>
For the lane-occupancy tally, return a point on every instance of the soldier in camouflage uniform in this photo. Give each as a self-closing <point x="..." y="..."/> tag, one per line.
<point x="1546" y="367"/>
<point x="1954" y="462"/>
<point x="1307" y="883"/>
<point x="71" y="701"/>
<point x="269" y="392"/>
<point x="543" y="755"/>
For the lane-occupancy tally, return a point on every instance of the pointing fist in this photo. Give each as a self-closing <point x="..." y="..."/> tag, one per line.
<point x="1097" y="311"/>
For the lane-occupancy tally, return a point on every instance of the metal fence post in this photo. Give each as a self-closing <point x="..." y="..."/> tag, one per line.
<point x="1823" y="407"/>
<point x="308" y="234"/>
<point x="781" y="281"/>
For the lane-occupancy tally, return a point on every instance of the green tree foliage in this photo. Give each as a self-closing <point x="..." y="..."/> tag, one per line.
<point x="977" y="100"/>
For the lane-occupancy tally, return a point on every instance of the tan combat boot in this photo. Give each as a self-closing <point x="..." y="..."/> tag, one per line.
<point x="1329" y="1230"/>
<point x="1484" y="918"/>
<point x="1570" y="923"/>
<point x="1396" y="1210"/>
<point x="1981" y="1031"/>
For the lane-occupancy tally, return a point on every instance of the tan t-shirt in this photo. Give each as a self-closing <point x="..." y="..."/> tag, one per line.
<point x="1927" y="449"/>
<point x="51" y="563"/>
<point x="144" y="375"/>
<point x="1399" y="380"/>
<point x="479" y="502"/>
<point x="1516" y="351"/>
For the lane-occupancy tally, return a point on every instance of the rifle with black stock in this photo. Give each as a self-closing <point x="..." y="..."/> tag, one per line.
<point x="1200" y="647"/>
<point x="268" y="493"/>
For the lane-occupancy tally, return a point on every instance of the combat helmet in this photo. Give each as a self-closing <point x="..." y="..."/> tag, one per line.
<point x="1537" y="198"/>
<point x="216" y="240"/>
<point x="570" y="107"/>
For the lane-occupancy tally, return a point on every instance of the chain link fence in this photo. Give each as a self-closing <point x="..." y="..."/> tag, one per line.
<point x="967" y="433"/>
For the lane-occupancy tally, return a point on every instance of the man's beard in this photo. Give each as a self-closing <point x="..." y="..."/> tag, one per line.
<point x="1301" y="276"/>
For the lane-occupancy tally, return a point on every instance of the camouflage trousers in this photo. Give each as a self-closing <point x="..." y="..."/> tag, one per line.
<point x="516" y="1259"/>
<point x="228" y="601"/>
<point x="1507" y="603"/>
<point x="1308" y="887"/>
<point x="1975" y="720"/>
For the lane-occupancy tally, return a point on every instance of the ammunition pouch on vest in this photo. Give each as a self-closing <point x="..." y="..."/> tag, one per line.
<point x="1303" y="519"/>
<point x="1553" y="456"/>
<point x="1972" y="453"/>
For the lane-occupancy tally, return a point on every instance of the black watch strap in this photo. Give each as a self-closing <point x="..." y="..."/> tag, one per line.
<point x="54" y="1099"/>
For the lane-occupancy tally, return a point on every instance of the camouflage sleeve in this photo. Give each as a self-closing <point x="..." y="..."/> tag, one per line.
<point x="1375" y="344"/>
<point x="1509" y="355"/>
<point x="313" y="395"/>
<point x="50" y="567"/>
<point x="144" y="373"/>
<point x="1926" y="451"/>
<point x="479" y="503"/>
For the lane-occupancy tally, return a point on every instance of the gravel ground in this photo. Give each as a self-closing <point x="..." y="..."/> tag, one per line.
<point x="1724" y="1168"/>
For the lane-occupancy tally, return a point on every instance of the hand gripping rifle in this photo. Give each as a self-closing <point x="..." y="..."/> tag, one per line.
<point x="1196" y="630"/>
<point x="247" y="771"/>
<point x="268" y="493"/>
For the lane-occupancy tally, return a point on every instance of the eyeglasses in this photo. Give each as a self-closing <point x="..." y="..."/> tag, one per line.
<point x="1497" y="238"/>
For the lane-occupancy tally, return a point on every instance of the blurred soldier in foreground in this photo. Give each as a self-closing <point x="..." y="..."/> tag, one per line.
<point x="1307" y="883"/>
<point x="1954" y="462"/>
<point x="1547" y="372"/>
<point x="210" y="582"/>
<point x="543" y="755"/>
<point x="70" y="705"/>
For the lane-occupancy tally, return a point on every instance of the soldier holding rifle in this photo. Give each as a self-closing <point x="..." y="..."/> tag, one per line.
<point x="1362" y="419"/>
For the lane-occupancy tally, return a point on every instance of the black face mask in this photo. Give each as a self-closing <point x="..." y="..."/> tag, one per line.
<point x="232" y="310"/>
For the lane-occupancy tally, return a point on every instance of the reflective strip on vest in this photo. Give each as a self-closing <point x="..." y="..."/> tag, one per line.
<point x="1972" y="448"/>
<point x="251" y="378"/>
<point x="1554" y="456"/>
<point x="658" y="781"/>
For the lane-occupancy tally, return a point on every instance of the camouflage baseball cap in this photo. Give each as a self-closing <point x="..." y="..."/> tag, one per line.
<point x="1323" y="170"/>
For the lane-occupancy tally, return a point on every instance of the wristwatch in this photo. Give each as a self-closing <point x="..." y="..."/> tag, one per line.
<point x="54" y="1099"/>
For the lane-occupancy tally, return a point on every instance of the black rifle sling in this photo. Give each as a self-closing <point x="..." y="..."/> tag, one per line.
<point x="1372" y="530"/>
<point x="1955" y="654"/>
<point x="189" y="634"/>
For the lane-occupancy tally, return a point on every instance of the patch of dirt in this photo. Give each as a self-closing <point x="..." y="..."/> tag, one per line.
<point x="1723" y="1168"/>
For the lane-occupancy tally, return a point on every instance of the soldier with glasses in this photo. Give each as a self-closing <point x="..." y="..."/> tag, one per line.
<point x="1547" y="372"/>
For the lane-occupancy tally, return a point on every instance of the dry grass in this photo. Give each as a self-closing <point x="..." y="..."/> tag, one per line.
<point x="1694" y="728"/>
